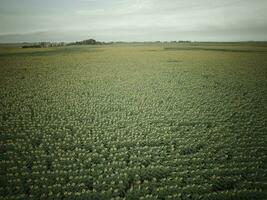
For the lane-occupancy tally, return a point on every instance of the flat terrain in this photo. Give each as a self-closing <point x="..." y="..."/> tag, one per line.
<point x="130" y="121"/>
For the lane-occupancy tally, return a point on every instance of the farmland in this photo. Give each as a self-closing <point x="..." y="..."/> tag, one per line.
<point x="134" y="121"/>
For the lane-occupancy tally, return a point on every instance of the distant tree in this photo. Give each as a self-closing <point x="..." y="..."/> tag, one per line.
<point x="86" y="42"/>
<point x="90" y="41"/>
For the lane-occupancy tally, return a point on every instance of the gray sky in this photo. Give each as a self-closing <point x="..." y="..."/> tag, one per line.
<point x="133" y="20"/>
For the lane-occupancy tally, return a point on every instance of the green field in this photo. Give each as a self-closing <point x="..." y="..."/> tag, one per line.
<point x="134" y="121"/>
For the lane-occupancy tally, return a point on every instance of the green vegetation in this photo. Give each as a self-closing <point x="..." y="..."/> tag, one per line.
<point x="134" y="121"/>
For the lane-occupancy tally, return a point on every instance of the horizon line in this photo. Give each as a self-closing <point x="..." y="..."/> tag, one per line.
<point x="145" y="41"/>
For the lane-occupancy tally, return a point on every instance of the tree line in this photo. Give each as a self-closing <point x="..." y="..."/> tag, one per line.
<point x="83" y="42"/>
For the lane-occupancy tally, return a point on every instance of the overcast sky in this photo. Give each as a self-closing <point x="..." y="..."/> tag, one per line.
<point x="133" y="20"/>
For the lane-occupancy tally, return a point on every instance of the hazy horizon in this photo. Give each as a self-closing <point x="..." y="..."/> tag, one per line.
<point x="132" y="20"/>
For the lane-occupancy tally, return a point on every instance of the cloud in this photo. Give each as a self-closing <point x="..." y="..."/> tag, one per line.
<point x="139" y="19"/>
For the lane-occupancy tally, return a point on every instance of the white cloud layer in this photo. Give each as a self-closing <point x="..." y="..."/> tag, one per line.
<point x="135" y="20"/>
